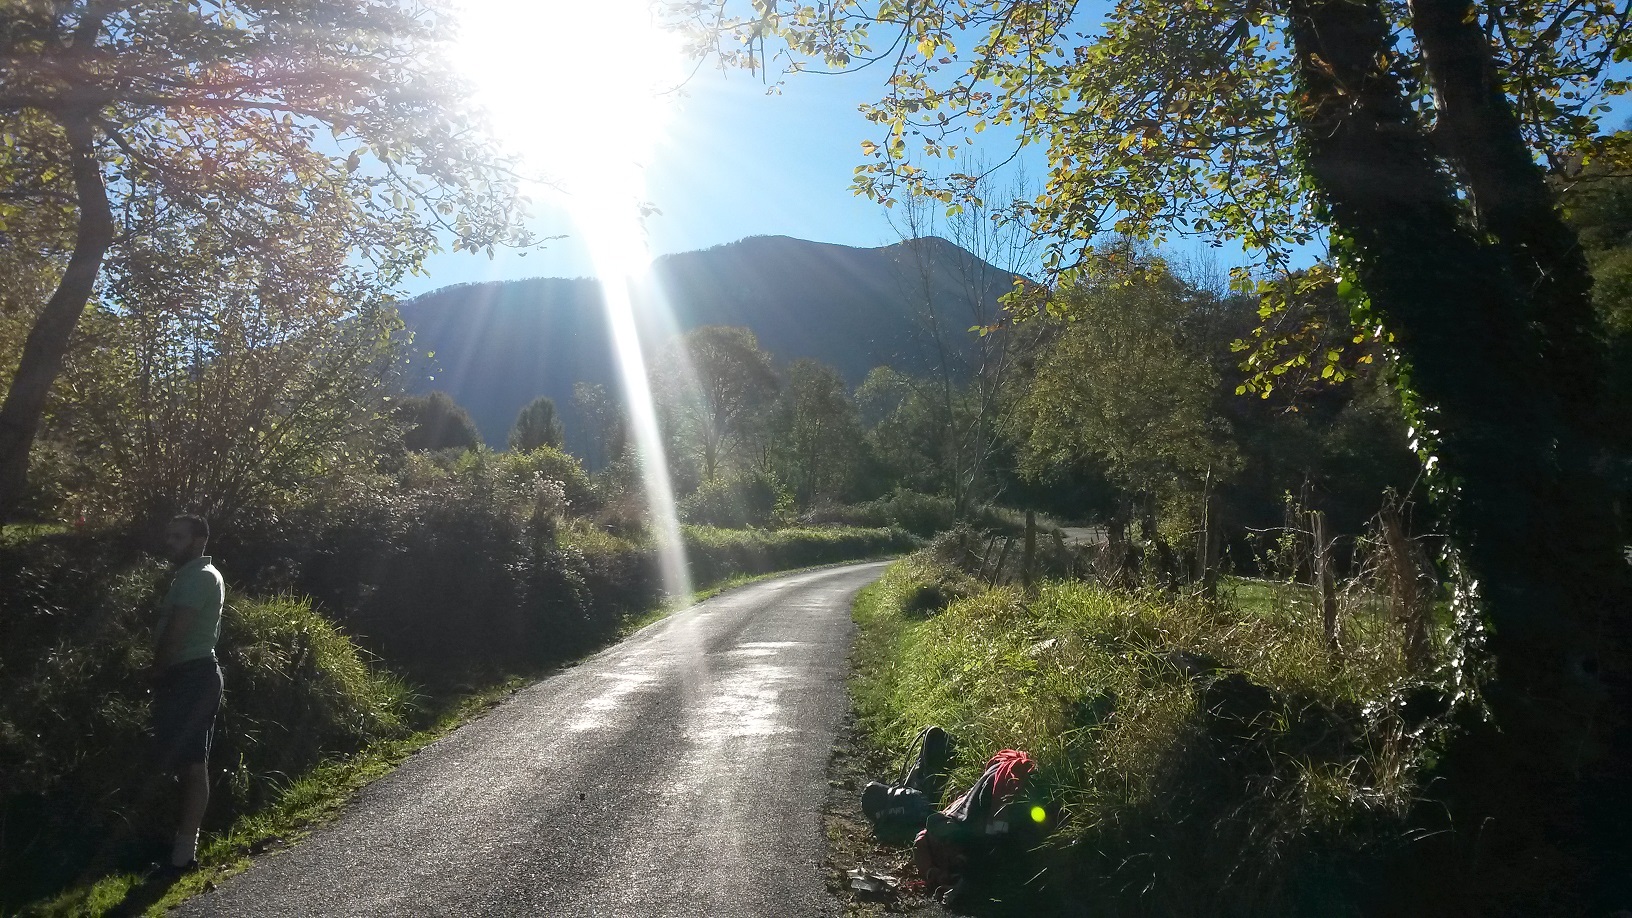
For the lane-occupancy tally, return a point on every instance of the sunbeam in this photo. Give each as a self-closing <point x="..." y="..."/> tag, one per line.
<point x="581" y="93"/>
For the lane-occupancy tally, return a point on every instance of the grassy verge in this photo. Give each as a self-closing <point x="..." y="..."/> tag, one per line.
<point x="304" y="804"/>
<point x="730" y="583"/>
<point x="1194" y="758"/>
<point x="320" y="793"/>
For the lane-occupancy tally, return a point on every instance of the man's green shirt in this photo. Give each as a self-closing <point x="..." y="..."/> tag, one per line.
<point x="198" y="586"/>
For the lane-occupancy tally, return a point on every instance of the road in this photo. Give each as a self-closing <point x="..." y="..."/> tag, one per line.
<point x="680" y="772"/>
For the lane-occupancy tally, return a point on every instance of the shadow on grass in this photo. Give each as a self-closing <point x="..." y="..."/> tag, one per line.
<point x="144" y="894"/>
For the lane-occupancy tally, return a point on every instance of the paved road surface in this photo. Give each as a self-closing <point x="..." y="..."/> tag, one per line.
<point x="681" y="772"/>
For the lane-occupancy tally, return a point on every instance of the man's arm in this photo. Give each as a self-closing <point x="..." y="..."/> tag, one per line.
<point x="168" y="646"/>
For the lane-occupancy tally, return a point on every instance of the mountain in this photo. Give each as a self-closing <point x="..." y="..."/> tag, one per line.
<point x="501" y="344"/>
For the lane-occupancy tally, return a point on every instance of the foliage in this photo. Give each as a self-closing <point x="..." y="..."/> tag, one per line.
<point x="816" y="436"/>
<point x="259" y="118"/>
<point x="1193" y="759"/>
<point x="717" y="382"/>
<point x="913" y="428"/>
<point x="604" y="418"/>
<point x="1158" y="118"/>
<point x="74" y="646"/>
<point x="212" y="378"/>
<point x="435" y="422"/>
<point x="750" y="498"/>
<point x="536" y="425"/>
<point x="1131" y="384"/>
<point x="921" y="514"/>
<point x="718" y="554"/>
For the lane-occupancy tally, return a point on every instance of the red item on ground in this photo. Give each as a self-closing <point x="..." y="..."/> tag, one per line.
<point x="941" y="856"/>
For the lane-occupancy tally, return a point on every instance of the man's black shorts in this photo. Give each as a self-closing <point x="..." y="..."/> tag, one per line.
<point x="185" y="702"/>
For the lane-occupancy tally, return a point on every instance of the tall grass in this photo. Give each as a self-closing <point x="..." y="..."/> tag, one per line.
<point x="717" y="554"/>
<point x="1197" y="758"/>
<point x="75" y="790"/>
<point x="455" y="587"/>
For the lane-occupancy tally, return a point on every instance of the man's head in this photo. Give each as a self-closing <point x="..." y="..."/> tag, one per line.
<point x="185" y="538"/>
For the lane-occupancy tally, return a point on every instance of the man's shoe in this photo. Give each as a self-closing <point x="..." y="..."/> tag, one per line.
<point x="164" y="870"/>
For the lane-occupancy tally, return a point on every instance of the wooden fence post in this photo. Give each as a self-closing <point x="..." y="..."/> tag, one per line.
<point x="1404" y="589"/>
<point x="1325" y="581"/>
<point x="1030" y="555"/>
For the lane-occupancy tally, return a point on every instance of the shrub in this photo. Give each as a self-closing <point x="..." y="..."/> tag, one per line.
<point x="919" y="513"/>
<point x="1194" y="759"/>
<point x="753" y="498"/>
<point x="77" y="618"/>
<point x="717" y="554"/>
<point x="297" y="690"/>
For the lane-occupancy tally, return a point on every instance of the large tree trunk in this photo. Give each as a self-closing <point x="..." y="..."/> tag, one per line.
<point x="47" y="343"/>
<point x="1531" y="521"/>
<point x="1478" y="130"/>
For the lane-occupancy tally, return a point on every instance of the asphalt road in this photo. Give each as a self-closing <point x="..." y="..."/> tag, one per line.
<point x="680" y="772"/>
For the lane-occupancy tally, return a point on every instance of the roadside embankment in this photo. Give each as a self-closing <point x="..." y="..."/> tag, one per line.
<point x="1195" y="757"/>
<point x="330" y="679"/>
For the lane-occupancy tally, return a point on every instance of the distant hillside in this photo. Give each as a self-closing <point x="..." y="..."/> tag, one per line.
<point x="499" y="345"/>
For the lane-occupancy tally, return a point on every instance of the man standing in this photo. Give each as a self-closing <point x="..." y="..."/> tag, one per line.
<point x="186" y="680"/>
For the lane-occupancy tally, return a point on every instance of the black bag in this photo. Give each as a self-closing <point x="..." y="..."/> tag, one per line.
<point x="897" y="811"/>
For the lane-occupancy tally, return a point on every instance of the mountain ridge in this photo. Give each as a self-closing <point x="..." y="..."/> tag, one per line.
<point x="500" y="344"/>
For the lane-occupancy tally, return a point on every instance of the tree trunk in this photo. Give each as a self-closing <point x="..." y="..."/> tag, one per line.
<point x="1211" y="541"/>
<point x="1531" y="521"/>
<point x="1478" y="130"/>
<point x="47" y="343"/>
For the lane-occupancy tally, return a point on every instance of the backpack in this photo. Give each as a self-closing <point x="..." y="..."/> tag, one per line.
<point x="992" y="812"/>
<point x="897" y="811"/>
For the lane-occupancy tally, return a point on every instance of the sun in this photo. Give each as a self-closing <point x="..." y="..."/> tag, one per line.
<point x="579" y="92"/>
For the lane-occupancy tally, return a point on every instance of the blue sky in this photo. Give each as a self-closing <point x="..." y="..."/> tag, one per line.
<point x="735" y="162"/>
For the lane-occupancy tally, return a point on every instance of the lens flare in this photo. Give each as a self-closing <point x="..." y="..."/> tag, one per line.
<point x="580" y="93"/>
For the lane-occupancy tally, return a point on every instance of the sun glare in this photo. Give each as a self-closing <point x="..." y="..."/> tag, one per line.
<point x="581" y="93"/>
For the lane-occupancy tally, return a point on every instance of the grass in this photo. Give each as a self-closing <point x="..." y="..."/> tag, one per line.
<point x="11" y="533"/>
<point x="304" y="804"/>
<point x="1194" y="758"/>
<point x="320" y="793"/>
<point x="730" y="583"/>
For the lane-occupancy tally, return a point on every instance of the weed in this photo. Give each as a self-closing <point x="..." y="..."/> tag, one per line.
<point x="1198" y="757"/>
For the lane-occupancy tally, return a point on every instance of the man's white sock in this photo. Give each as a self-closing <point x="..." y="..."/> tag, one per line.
<point x="185" y="850"/>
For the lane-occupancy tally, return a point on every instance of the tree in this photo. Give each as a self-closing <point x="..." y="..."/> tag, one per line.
<point x="815" y="431"/>
<point x="1129" y="383"/>
<point x="604" y="420"/>
<point x="719" y="381"/>
<point x="536" y="426"/>
<point x="910" y="424"/>
<point x="1130" y="386"/>
<point x="1414" y="138"/>
<point x="209" y="378"/>
<point x="965" y="334"/>
<point x="252" y="112"/>
<point x="434" y="422"/>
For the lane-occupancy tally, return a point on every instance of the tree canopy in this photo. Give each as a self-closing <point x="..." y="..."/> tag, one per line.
<point x="435" y="422"/>
<point x="537" y="425"/>
<point x="265" y="118"/>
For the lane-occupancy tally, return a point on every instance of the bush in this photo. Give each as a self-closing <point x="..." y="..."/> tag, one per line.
<point x="76" y="614"/>
<point x="718" y="554"/>
<point x="754" y="498"/>
<point x="918" y="513"/>
<point x="297" y="690"/>
<point x="1194" y="759"/>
